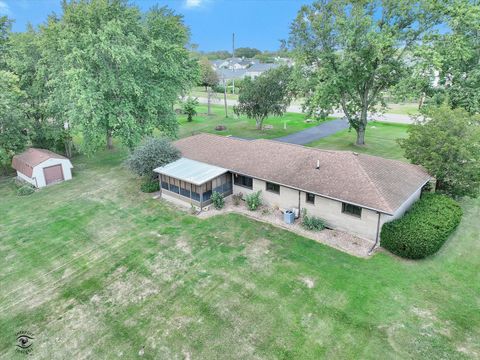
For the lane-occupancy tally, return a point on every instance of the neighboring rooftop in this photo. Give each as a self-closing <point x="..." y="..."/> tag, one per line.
<point x="26" y="161"/>
<point x="369" y="181"/>
<point x="194" y="172"/>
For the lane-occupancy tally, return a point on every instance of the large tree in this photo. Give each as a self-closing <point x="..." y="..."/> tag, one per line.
<point x="350" y="52"/>
<point x="122" y="71"/>
<point x="13" y="125"/>
<point x="268" y="94"/>
<point x="459" y="49"/>
<point x="447" y="144"/>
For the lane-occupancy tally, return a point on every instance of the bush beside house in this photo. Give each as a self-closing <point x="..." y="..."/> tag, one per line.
<point x="424" y="228"/>
<point x="153" y="153"/>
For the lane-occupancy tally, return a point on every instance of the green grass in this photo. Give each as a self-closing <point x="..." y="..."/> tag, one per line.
<point x="240" y="126"/>
<point x="96" y="269"/>
<point x="380" y="140"/>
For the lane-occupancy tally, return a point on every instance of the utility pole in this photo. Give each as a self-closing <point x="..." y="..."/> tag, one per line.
<point x="225" y="96"/>
<point x="233" y="56"/>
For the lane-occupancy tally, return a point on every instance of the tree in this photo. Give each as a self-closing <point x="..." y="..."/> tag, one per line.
<point x="459" y="49"/>
<point x="153" y="153"/>
<point x="13" y="125"/>
<point x="122" y="71"/>
<point x="218" y="55"/>
<point x="268" y="94"/>
<point x="447" y="144"/>
<point x="189" y="107"/>
<point x="247" y="52"/>
<point x="209" y="78"/>
<point x="349" y="53"/>
<point x="5" y="27"/>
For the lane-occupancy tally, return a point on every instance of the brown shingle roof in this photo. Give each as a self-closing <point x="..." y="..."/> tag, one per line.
<point x="26" y="161"/>
<point x="365" y="180"/>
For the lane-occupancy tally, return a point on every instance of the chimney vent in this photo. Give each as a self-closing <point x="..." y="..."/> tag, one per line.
<point x="318" y="164"/>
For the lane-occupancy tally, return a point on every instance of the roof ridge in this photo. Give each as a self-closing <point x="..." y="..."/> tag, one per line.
<point x="377" y="190"/>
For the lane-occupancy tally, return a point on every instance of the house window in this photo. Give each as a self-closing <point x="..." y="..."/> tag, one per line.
<point x="244" y="181"/>
<point x="310" y="198"/>
<point x="275" y="188"/>
<point x="351" y="209"/>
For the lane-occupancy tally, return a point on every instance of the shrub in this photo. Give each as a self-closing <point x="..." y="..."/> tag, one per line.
<point x="25" y="189"/>
<point x="217" y="200"/>
<point x="154" y="152"/>
<point x="237" y="198"/>
<point x="312" y="223"/>
<point x="218" y="88"/>
<point x="254" y="200"/>
<point x="150" y="186"/>
<point x="424" y="228"/>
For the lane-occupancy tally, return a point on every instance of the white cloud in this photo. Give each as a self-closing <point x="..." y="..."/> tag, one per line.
<point x="190" y="4"/>
<point x="4" y="9"/>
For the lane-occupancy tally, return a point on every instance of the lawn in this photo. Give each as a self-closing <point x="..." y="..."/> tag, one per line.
<point x="240" y="126"/>
<point x="380" y="140"/>
<point x="95" y="269"/>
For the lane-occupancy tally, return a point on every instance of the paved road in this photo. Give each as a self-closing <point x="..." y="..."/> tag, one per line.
<point x="314" y="133"/>
<point x="394" y="118"/>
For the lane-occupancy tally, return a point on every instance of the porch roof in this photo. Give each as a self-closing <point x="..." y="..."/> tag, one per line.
<point x="194" y="172"/>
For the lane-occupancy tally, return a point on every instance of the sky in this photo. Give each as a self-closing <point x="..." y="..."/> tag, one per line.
<point x="256" y="23"/>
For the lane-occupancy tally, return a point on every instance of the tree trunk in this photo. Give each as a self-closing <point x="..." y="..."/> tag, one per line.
<point x="68" y="148"/>
<point x="209" y="101"/>
<point x="109" y="139"/>
<point x="361" y="135"/>
<point x="362" y="126"/>
<point x="259" y="123"/>
<point x="422" y="100"/>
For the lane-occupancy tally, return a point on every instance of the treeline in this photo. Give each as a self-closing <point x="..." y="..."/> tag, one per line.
<point x="248" y="53"/>
<point x="101" y="69"/>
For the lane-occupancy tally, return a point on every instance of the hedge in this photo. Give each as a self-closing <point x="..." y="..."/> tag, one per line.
<point x="424" y="228"/>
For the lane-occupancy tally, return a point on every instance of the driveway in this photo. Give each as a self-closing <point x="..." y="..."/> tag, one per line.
<point x="314" y="133"/>
<point x="295" y="108"/>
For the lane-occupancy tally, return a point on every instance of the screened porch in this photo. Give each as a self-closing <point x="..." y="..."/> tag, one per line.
<point x="194" y="182"/>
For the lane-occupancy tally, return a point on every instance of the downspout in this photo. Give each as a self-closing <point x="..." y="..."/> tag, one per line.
<point x="299" y="203"/>
<point x="377" y="237"/>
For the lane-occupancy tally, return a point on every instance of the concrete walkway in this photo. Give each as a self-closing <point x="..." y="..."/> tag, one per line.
<point x="295" y="108"/>
<point x="314" y="133"/>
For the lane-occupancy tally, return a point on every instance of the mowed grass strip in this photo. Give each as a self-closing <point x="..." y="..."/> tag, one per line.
<point x="96" y="269"/>
<point x="241" y="126"/>
<point x="380" y="140"/>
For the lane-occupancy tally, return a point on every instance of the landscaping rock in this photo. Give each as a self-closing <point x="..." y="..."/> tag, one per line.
<point x="220" y="127"/>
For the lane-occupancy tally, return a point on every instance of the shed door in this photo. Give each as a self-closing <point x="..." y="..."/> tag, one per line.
<point x="53" y="174"/>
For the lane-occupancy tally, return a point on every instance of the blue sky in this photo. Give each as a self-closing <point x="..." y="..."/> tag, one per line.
<point x="256" y="23"/>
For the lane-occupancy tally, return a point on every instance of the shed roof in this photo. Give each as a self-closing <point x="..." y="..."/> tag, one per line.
<point x="368" y="181"/>
<point x="192" y="171"/>
<point x="26" y="161"/>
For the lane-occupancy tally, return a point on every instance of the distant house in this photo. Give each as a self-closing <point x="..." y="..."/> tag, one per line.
<point x="41" y="167"/>
<point x="353" y="192"/>
<point x="257" y="69"/>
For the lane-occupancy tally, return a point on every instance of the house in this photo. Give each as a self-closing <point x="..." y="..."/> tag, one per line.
<point x="41" y="167"/>
<point x="353" y="192"/>
<point x="257" y="69"/>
